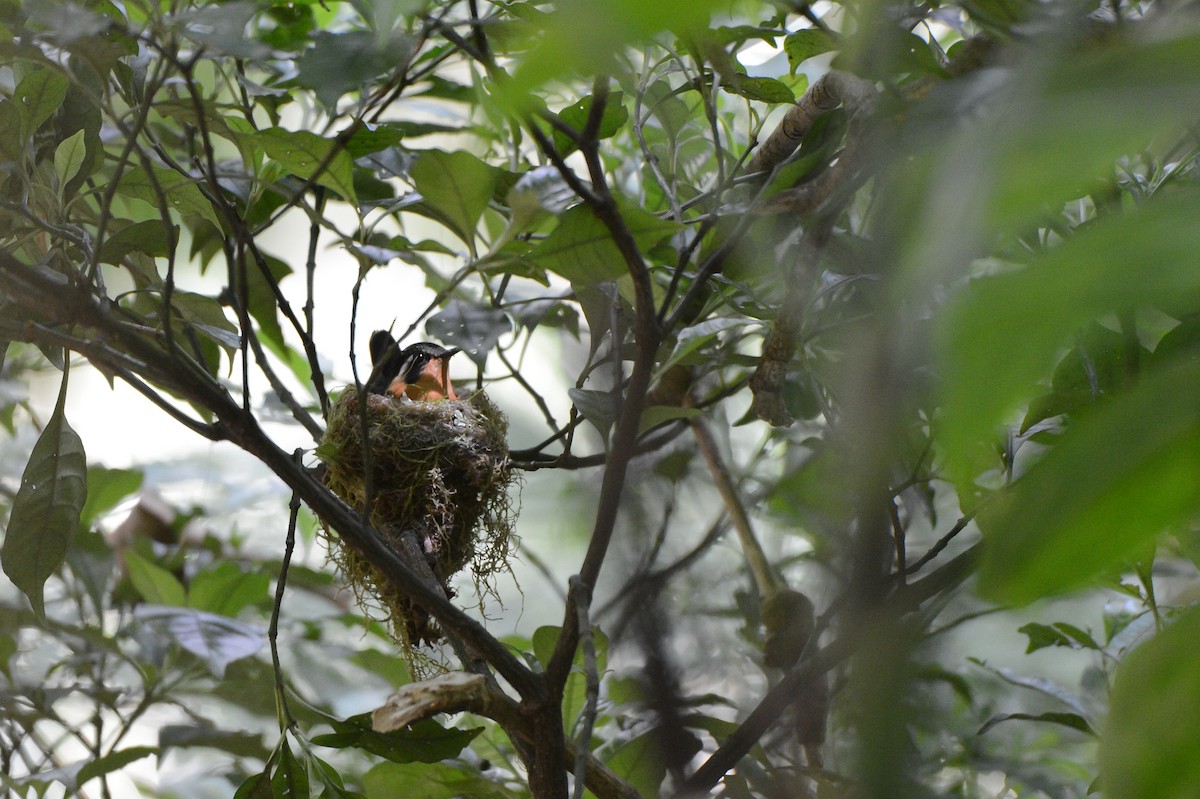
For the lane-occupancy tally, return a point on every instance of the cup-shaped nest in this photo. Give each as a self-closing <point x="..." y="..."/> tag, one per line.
<point x="439" y="472"/>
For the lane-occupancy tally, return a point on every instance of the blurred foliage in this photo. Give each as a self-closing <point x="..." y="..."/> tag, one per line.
<point x="956" y="331"/>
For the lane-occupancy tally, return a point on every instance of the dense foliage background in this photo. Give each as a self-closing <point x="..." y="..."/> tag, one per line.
<point x="851" y="352"/>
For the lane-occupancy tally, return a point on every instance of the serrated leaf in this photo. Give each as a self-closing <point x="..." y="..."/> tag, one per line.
<point x="456" y="187"/>
<point x="581" y="249"/>
<point x="46" y="511"/>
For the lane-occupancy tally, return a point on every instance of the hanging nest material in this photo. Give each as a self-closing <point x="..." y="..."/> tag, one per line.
<point x="440" y="474"/>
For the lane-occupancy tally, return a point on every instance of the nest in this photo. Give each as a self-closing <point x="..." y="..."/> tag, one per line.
<point x="440" y="474"/>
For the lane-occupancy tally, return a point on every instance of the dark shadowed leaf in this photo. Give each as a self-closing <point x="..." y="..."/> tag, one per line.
<point x="423" y="741"/>
<point x="46" y="510"/>
<point x="1072" y="720"/>
<point x="216" y="640"/>
<point x="474" y="328"/>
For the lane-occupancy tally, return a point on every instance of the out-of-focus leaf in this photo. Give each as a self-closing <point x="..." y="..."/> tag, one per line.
<point x="1058" y="634"/>
<point x="105" y="488"/>
<point x="422" y="742"/>
<point x="655" y="415"/>
<point x="1112" y="265"/>
<point x="1072" y="720"/>
<point x="1148" y="744"/>
<point x="341" y="62"/>
<point x="222" y="29"/>
<point x="1118" y="479"/>
<point x="113" y="761"/>
<point x="240" y="743"/>
<point x="46" y="510"/>
<point x="156" y="585"/>
<point x="225" y="589"/>
<point x="430" y="781"/>
<point x="474" y="328"/>
<point x="640" y="762"/>
<point x="581" y="249"/>
<point x="766" y="90"/>
<point x="456" y="188"/>
<point x="598" y="407"/>
<point x="216" y="640"/>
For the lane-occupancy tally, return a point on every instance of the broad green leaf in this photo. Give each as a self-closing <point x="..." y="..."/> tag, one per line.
<point x="303" y="153"/>
<point x="598" y="407"/>
<point x="151" y="237"/>
<point x="11" y="141"/>
<point x="1148" y="744"/>
<point x="581" y="249"/>
<point x="1121" y="476"/>
<point x="804" y="44"/>
<point x="105" y="488"/>
<point x="456" y="187"/>
<point x="430" y="781"/>
<point x="153" y="582"/>
<point x="588" y="35"/>
<point x="611" y="121"/>
<point x="422" y="742"/>
<point x="113" y="761"/>
<point x="766" y="90"/>
<point x="45" y="513"/>
<point x="225" y="589"/>
<point x="181" y="192"/>
<point x="37" y="96"/>
<point x="68" y="157"/>
<point x="1007" y="331"/>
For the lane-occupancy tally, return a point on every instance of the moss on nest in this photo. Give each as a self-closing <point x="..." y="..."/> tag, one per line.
<point x="439" y="471"/>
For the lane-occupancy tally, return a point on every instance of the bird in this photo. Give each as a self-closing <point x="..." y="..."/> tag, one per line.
<point x="419" y="371"/>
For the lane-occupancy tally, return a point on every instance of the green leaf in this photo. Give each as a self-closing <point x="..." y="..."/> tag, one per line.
<point x="303" y="152"/>
<point x="598" y="407"/>
<point x="150" y="237"/>
<point x="153" y="582"/>
<point x="804" y="44"/>
<point x="766" y="90"/>
<point x="46" y="511"/>
<point x="456" y="188"/>
<point x="611" y="121"/>
<point x="113" y="761"/>
<point x="581" y="249"/>
<point x="421" y="742"/>
<point x="1101" y="495"/>
<point x="429" y="781"/>
<point x="1058" y="634"/>
<point x="1071" y="720"/>
<point x="181" y="192"/>
<point x="68" y="157"/>
<point x="1007" y="331"/>
<point x="655" y="415"/>
<point x="37" y="96"/>
<point x="105" y="488"/>
<point x="225" y="589"/>
<point x="1148" y="745"/>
